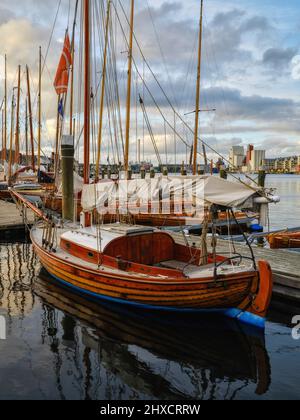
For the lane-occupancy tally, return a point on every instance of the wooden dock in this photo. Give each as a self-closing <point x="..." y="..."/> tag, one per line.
<point x="11" y="221"/>
<point x="285" y="264"/>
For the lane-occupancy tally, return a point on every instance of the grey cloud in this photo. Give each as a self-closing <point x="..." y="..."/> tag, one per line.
<point x="256" y="23"/>
<point x="5" y="15"/>
<point x="225" y="19"/>
<point x="253" y="107"/>
<point x="178" y="38"/>
<point x="280" y="146"/>
<point x="279" y="58"/>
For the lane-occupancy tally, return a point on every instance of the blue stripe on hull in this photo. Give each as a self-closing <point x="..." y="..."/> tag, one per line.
<point x="233" y="313"/>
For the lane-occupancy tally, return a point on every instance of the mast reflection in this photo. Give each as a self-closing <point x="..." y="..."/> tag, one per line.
<point x="121" y="354"/>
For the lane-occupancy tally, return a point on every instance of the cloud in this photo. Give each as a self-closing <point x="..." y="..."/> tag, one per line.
<point x="254" y="107"/>
<point x="236" y="79"/>
<point x="280" y="146"/>
<point x="5" y="15"/>
<point x="295" y="67"/>
<point x="279" y="58"/>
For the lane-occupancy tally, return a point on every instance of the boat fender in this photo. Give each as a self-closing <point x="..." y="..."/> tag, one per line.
<point x="267" y="200"/>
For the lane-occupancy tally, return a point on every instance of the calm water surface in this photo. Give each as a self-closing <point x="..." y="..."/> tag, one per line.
<point x="287" y="212"/>
<point x="59" y="346"/>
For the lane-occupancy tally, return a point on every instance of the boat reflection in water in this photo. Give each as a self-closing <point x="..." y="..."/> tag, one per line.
<point x="142" y="356"/>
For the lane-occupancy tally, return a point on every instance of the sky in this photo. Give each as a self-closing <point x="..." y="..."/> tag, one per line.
<point x="250" y="68"/>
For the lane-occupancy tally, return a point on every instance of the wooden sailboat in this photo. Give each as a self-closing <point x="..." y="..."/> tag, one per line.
<point x="284" y="240"/>
<point x="145" y="268"/>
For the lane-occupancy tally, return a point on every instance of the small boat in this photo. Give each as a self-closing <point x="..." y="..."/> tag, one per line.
<point x="145" y="268"/>
<point x="284" y="240"/>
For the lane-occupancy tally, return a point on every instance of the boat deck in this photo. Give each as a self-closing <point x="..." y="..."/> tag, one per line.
<point x="284" y="263"/>
<point x="193" y="271"/>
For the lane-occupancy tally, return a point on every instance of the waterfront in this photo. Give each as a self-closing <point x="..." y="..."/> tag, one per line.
<point x="287" y="213"/>
<point x="60" y="346"/>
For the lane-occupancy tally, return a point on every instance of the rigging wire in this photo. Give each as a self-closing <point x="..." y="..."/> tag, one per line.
<point x="152" y="97"/>
<point x="150" y="132"/>
<point x="162" y="53"/>
<point x="51" y="35"/>
<point x="174" y="110"/>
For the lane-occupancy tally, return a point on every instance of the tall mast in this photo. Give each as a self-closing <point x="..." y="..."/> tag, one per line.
<point x="5" y="112"/>
<point x="86" y="130"/>
<point x="56" y="163"/>
<point x="103" y="90"/>
<point x="11" y="135"/>
<point x="17" y="133"/>
<point x="198" y="93"/>
<point x="86" y="91"/>
<point x="30" y="120"/>
<point x="2" y="127"/>
<point x="40" y="110"/>
<point x="72" y="93"/>
<point x="72" y="71"/>
<point x="26" y="131"/>
<point x="128" y="104"/>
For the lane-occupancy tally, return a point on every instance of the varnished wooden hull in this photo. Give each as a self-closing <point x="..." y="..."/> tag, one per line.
<point x="284" y="240"/>
<point x="232" y="294"/>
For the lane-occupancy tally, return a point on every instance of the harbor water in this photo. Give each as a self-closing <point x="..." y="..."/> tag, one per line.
<point x="287" y="213"/>
<point x="60" y="346"/>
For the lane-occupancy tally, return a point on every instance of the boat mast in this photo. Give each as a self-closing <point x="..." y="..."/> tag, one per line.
<point x="39" y="111"/>
<point x="30" y="119"/>
<point x="195" y="148"/>
<point x="2" y="128"/>
<point x="128" y="104"/>
<point x="26" y="131"/>
<point x="103" y="90"/>
<point x="56" y="163"/>
<point x="86" y="91"/>
<point x="17" y="133"/>
<point x="86" y="128"/>
<point x="11" y="136"/>
<point x="5" y="112"/>
<point x="72" y="72"/>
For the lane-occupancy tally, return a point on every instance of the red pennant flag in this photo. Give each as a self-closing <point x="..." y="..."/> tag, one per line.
<point x="62" y="74"/>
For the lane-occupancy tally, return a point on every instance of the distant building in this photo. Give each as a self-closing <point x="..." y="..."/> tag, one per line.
<point x="269" y="165"/>
<point x="237" y="157"/>
<point x="283" y="165"/>
<point x="257" y="159"/>
<point x="249" y="154"/>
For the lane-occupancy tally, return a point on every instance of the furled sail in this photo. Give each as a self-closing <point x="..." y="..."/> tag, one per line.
<point x="206" y="190"/>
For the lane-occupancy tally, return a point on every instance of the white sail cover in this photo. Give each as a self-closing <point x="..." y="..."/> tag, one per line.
<point x="78" y="183"/>
<point x="205" y="190"/>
